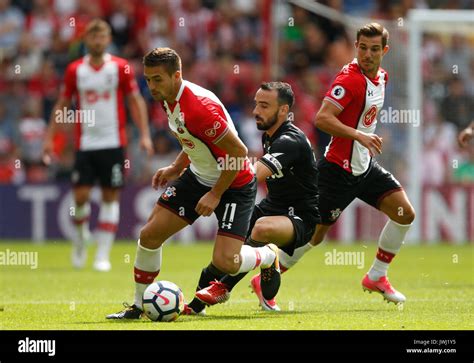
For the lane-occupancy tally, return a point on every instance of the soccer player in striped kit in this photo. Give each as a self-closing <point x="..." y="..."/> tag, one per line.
<point x="99" y="83"/>
<point x="348" y="169"/>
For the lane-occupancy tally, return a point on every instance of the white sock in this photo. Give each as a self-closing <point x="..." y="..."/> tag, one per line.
<point x="81" y="221"/>
<point x="147" y="267"/>
<point x="252" y="257"/>
<point x="287" y="261"/>
<point x="109" y="216"/>
<point x="390" y="241"/>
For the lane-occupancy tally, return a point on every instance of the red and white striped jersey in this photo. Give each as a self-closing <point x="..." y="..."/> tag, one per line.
<point x="360" y="98"/>
<point x="100" y="92"/>
<point x="199" y="120"/>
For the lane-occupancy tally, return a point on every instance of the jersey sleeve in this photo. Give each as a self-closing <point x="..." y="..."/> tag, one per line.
<point x="213" y="123"/>
<point x="342" y="90"/>
<point x="283" y="154"/>
<point x="127" y="81"/>
<point x="69" y="88"/>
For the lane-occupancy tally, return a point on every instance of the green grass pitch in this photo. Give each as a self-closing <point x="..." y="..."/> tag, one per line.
<point x="437" y="280"/>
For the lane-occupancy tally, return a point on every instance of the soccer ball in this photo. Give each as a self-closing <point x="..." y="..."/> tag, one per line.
<point x="163" y="301"/>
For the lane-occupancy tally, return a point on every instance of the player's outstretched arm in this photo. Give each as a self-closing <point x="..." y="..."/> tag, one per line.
<point x="327" y="121"/>
<point x="235" y="149"/>
<point x="139" y="114"/>
<point x="55" y="119"/>
<point x="466" y="135"/>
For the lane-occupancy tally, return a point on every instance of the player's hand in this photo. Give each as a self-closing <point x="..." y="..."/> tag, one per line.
<point x="371" y="141"/>
<point x="207" y="204"/>
<point x="164" y="176"/>
<point x="465" y="136"/>
<point x="147" y="145"/>
<point x="47" y="151"/>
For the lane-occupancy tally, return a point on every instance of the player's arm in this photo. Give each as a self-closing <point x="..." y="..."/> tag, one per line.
<point x="139" y="114"/>
<point x="327" y="121"/>
<point x="55" y="118"/>
<point x="171" y="172"/>
<point x="236" y="150"/>
<point x="262" y="171"/>
<point x="466" y="135"/>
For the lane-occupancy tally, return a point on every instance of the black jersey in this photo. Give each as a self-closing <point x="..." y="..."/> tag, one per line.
<point x="294" y="183"/>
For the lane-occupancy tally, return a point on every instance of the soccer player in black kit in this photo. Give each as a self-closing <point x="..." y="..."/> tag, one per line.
<point x="287" y="217"/>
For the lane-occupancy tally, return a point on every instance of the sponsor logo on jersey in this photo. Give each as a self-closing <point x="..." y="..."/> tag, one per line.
<point x="369" y="116"/>
<point x="212" y="132"/>
<point x="168" y="193"/>
<point x="338" y="92"/>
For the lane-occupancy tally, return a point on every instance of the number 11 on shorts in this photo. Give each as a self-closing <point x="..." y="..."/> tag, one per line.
<point x="233" y="207"/>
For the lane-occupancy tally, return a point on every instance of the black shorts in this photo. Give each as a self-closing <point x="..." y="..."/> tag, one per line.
<point x="233" y="212"/>
<point x="304" y="223"/>
<point x="105" y="166"/>
<point x="338" y="188"/>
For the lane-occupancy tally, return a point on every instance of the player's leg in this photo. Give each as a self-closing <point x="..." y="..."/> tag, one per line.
<point x="108" y="165"/>
<point x="81" y="215"/>
<point x="229" y="255"/>
<point x="109" y="216"/>
<point x="174" y="211"/>
<point x="385" y="193"/>
<point x="161" y="225"/>
<point x="83" y="179"/>
<point x="287" y="261"/>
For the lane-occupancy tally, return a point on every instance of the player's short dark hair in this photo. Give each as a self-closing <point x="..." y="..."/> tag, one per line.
<point x="372" y="30"/>
<point x="166" y="57"/>
<point x="97" y="25"/>
<point x="285" y="93"/>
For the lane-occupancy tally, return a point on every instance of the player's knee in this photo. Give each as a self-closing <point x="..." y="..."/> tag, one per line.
<point x="226" y="263"/>
<point x="261" y="230"/>
<point x="149" y="239"/>
<point x="407" y="217"/>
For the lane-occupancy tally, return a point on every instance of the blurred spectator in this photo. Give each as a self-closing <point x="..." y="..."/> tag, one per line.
<point x="457" y="106"/>
<point x="42" y="23"/>
<point x="158" y="26"/>
<point x="32" y="130"/>
<point x="28" y="59"/>
<point x="439" y="149"/>
<point x="11" y="27"/>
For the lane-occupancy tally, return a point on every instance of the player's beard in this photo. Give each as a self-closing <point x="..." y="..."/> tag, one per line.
<point x="265" y="125"/>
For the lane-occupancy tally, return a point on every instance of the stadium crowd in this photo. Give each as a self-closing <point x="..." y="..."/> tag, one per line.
<point x="221" y="44"/>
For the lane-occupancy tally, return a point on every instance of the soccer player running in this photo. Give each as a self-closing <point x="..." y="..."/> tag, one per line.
<point x="348" y="169"/>
<point x="287" y="216"/>
<point x="99" y="82"/>
<point x="199" y="185"/>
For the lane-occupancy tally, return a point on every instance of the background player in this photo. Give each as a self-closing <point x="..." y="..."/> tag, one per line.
<point x="288" y="215"/>
<point x="207" y="134"/>
<point x="348" y="169"/>
<point x="99" y="83"/>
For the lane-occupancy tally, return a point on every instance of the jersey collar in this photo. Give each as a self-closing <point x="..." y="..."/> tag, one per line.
<point x="178" y="96"/>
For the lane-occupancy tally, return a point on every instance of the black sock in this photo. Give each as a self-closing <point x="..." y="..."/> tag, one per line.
<point x="208" y="274"/>
<point x="230" y="281"/>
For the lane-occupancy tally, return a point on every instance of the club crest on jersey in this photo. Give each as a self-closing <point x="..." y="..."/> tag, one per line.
<point x="212" y="132"/>
<point x="335" y="214"/>
<point x="168" y="193"/>
<point x="188" y="143"/>
<point x="338" y="92"/>
<point x="369" y="116"/>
